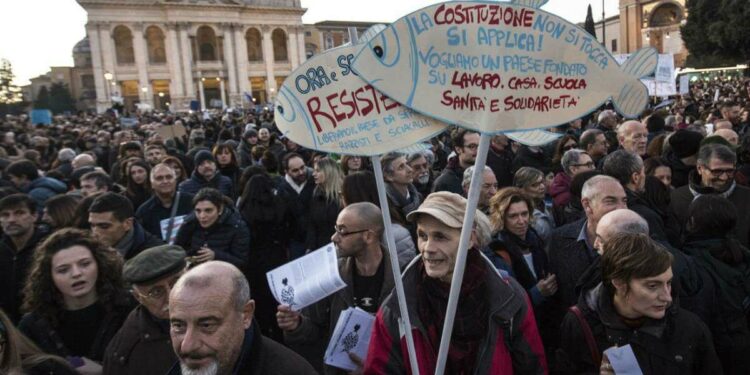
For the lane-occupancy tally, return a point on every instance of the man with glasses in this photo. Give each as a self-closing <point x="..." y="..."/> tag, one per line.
<point x="714" y="175"/>
<point x="142" y="345"/>
<point x="633" y="137"/>
<point x="364" y="267"/>
<point x="486" y="191"/>
<point x="573" y="162"/>
<point x="162" y="204"/>
<point x="465" y="144"/>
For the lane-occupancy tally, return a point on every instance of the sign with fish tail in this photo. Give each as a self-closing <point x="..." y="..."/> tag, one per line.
<point x="497" y="66"/>
<point x="324" y="105"/>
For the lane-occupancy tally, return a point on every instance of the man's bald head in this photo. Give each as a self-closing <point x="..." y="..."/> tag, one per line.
<point x="368" y="214"/>
<point x="619" y="221"/>
<point x="83" y="160"/>
<point x="722" y="124"/>
<point x="218" y="276"/>
<point x="728" y="134"/>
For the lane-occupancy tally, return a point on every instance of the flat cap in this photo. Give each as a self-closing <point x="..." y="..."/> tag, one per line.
<point x="153" y="264"/>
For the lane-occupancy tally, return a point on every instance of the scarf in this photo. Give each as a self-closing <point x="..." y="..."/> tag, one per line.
<point x="697" y="189"/>
<point x="471" y="321"/>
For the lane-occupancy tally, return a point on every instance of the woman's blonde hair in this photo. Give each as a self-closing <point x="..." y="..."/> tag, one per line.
<point x="501" y="201"/>
<point x="334" y="178"/>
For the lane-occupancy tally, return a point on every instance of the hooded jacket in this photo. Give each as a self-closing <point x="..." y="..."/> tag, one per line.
<point x="196" y="182"/>
<point x="228" y="237"/>
<point x="43" y="188"/>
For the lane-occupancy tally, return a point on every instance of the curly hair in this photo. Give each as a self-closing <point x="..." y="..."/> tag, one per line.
<point x="500" y="203"/>
<point x="41" y="295"/>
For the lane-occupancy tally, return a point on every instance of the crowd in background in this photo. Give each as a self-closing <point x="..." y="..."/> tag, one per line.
<point x="619" y="232"/>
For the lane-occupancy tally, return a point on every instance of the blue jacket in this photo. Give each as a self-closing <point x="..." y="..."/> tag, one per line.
<point x="43" y="188"/>
<point x="197" y="182"/>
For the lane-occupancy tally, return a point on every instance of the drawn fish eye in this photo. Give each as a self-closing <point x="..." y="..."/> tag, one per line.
<point x="378" y="51"/>
<point x="280" y="109"/>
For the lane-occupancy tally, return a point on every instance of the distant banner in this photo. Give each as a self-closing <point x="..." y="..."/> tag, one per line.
<point x="41" y="116"/>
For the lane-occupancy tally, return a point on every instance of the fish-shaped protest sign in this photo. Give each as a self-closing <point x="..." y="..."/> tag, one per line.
<point x="324" y="105"/>
<point x="497" y="66"/>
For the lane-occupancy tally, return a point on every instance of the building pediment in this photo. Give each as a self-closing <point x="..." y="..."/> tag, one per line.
<point x="213" y="3"/>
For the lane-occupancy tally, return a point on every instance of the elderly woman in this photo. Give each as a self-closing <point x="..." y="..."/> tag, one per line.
<point x="491" y="309"/>
<point x="633" y="305"/>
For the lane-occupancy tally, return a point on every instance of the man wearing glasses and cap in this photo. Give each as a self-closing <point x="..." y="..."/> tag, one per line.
<point x="142" y="345"/>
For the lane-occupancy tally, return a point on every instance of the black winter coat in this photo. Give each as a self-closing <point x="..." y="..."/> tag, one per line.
<point x="43" y="334"/>
<point x="228" y="237"/>
<point x="14" y="266"/>
<point x="451" y="178"/>
<point x="322" y="219"/>
<point x="140" y="347"/>
<point x="678" y="344"/>
<point x="299" y="204"/>
<point x="219" y="182"/>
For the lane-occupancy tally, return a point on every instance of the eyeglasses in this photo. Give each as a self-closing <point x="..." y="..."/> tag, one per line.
<point x="718" y="172"/>
<point x="160" y="291"/>
<point x="489" y="186"/>
<point x="342" y="233"/>
<point x="569" y="147"/>
<point x="472" y="146"/>
<point x="587" y="165"/>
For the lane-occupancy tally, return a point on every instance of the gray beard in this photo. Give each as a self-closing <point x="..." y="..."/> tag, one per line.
<point x="211" y="369"/>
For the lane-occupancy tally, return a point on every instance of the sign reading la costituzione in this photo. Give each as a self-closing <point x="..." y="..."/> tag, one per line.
<point x="494" y="66"/>
<point x="325" y="106"/>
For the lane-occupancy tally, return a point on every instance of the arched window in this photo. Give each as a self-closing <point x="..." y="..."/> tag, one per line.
<point x="157" y="53"/>
<point x="254" y="46"/>
<point x="279" y="45"/>
<point x="123" y="45"/>
<point x="206" y="44"/>
<point x="666" y="15"/>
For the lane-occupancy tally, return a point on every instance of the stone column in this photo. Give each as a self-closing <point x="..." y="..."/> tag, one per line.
<point x="141" y="63"/>
<point x="201" y="94"/>
<point x="229" y="63"/>
<point x="268" y="57"/>
<point x="176" y="90"/>
<point x="107" y="47"/>
<point x="222" y="89"/>
<point x="187" y="61"/>
<point x="301" y="44"/>
<point x="240" y="50"/>
<point x="291" y="42"/>
<point x="102" y="99"/>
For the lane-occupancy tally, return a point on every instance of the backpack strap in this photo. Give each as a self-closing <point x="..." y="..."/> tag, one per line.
<point x="588" y="335"/>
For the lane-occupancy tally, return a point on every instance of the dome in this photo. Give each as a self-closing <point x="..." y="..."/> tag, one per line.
<point x="82" y="46"/>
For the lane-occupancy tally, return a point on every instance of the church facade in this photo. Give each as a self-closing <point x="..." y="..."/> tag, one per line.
<point x="654" y="23"/>
<point x="168" y="53"/>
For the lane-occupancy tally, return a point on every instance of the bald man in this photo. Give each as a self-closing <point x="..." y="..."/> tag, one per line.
<point x="618" y="221"/>
<point x="212" y="329"/>
<point x="728" y="134"/>
<point x="363" y="265"/>
<point x="633" y="137"/>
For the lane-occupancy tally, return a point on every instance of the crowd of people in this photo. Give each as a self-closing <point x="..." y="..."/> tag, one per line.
<point x="131" y="250"/>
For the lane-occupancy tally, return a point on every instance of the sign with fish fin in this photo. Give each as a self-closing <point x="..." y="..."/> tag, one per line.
<point x="325" y="106"/>
<point x="533" y="138"/>
<point x="495" y="67"/>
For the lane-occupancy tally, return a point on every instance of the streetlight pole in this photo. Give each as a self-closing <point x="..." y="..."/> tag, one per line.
<point x="108" y="97"/>
<point x="604" y="28"/>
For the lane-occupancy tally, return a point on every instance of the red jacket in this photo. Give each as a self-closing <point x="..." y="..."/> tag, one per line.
<point x="513" y="345"/>
<point x="560" y="189"/>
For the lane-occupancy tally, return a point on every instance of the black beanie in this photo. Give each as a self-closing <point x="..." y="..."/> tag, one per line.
<point x="202" y="156"/>
<point x="685" y="143"/>
<point x="655" y="123"/>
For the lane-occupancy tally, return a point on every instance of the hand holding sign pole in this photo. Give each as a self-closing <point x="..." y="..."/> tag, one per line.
<point x="325" y="106"/>
<point x="497" y="67"/>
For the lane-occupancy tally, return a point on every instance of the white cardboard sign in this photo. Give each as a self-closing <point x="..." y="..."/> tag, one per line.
<point x="496" y="66"/>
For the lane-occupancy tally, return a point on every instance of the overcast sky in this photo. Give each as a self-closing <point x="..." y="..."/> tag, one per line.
<point x="37" y="34"/>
